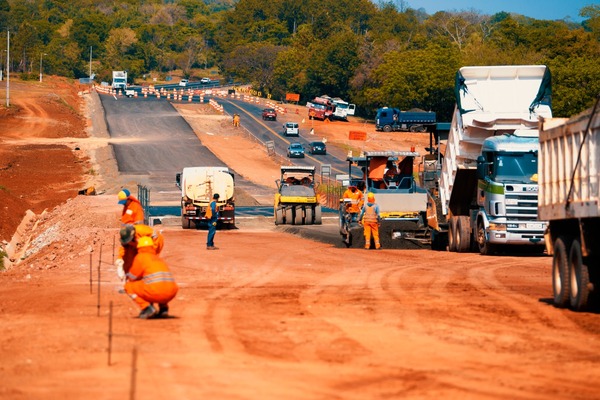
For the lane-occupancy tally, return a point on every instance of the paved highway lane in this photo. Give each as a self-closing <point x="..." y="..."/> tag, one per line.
<point x="251" y="117"/>
<point x="152" y="143"/>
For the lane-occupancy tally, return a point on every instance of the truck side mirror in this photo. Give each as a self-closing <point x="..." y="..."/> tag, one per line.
<point x="178" y="180"/>
<point x="482" y="167"/>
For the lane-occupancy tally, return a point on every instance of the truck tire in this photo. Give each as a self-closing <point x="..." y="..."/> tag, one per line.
<point x="298" y="215"/>
<point x="417" y="128"/>
<point x="463" y="234"/>
<point x="278" y="216"/>
<point x="452" y="234"/>
<point x="485" y="247"/>
<point x="185" y="223"/>
<point x="308" y="216"/>
<point x="387" y="128"/>
<point x="560" y="273"/>
<point x="318" y="215"/>
<point x="579" y="278"/>
<point x="289" y="215"/>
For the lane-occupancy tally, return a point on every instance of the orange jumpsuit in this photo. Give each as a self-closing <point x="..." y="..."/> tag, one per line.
<point x="149" y="280"/>
<point x="355" y="200"/>
<point x="370" y="220"/>
<point x="133" y="213"/>
<point x="128" y="251"/>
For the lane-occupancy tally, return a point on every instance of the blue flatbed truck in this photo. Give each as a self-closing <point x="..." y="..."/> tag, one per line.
<point x="392" y="119"/>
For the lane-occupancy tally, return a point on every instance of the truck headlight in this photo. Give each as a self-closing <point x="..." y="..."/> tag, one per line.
<point x="497" y="227"/>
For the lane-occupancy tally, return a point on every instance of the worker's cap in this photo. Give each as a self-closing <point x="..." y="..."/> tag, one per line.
<point x="371" y="197"/>
<point x="145" y="241"/>
<point x="216" y="196"/>
<point x="127" y="233"/>
<point x="123" y="195"/>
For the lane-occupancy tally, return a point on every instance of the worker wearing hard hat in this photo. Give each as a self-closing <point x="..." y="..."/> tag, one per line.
<point x="353" y="198"/>
<point x="370" y="219"/>
<point x="133" y="213"/>
<point x="212" y="214"/>
<point x="150" y="281"/>
<point x="129" y="237"/>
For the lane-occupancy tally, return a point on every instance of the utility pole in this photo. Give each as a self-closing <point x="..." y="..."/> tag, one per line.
<point x="90" y="62"/>
<point x="41" y="55"/>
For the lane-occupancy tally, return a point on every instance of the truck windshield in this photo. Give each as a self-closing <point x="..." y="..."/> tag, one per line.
<point x="341" y="105"/>
<point x="516" y="167"/>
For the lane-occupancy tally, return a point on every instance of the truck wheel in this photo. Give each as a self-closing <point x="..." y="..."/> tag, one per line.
<point x="279" y="216"/>
<point x="485" y="247"/>
<point x="463" y="234"/>
<point x="308" y="216"/>
<point x="299" y="216"/>
<point x="387" y="128"/>
<point x="560" y="273"/>
<point x="318" y="215"/>
<point x="185" y="223"/>
<point x="417" y="128"/>
<point x="452" y="234"/>
<point x="579" y="278"/>
<point x="289" y="215"/>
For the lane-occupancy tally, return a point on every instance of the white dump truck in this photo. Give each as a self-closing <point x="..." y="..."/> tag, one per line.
<point x="198" y="185"/>
<point x="569" y="178"/>
<point x="487" y="196"/>
<point x="119" y="80"/>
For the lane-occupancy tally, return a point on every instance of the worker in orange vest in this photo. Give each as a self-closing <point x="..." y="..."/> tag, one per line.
<point x="370" y="219"/>
<point x="133" y="213"/>
<point x="150" y="281"/>
<point x="129" y="237"/>
<point x="353" y="206"/>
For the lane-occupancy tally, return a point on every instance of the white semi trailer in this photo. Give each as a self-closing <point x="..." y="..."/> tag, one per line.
<point x="487" y="195"/>
<point x="569" y="178"/>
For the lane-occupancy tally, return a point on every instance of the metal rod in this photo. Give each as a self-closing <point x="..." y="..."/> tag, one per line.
<point x="91" y="279"/>
<point x="133" y="374"/>
<point x="99" y="263"/>
<point x="110" y="335"/>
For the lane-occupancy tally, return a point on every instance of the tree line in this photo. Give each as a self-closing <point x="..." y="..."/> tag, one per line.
<point x="373" y="54"/>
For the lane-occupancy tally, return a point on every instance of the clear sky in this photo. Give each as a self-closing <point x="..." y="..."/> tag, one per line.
<point x="538" y="9"/>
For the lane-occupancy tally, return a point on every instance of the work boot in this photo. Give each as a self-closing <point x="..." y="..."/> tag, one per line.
<point x="147" y="312"/>
<point x="163" y="311"/>
<point x="211" y="248"/>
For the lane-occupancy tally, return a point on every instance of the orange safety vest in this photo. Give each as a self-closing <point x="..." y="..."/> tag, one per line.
<point x="355" y="199"/>
<point x="370" y="214"/>
<point x="133" y="213"/>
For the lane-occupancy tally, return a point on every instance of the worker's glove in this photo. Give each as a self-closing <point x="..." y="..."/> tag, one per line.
<point x="120" y="271"/>
<point x="214" y="224"/>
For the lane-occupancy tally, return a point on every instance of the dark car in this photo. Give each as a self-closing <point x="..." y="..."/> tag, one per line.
<point x="317" y="148"/>
<point x="269" y="114"/>
<point x="295" y="150"/>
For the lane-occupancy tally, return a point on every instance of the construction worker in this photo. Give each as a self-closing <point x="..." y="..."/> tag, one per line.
<point x="212" y="213"/>
<point x="353" y="206"/>
<point x="370" y="220"/>
<point x="129" y="237"/>
<point x="133" y="213"/>
<point x="150" y="281"/>
<point x="236" y="120"/>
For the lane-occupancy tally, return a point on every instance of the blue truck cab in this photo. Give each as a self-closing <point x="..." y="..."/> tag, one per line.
<point x="392" y="119"/>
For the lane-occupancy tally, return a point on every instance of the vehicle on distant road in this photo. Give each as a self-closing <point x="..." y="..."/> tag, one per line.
<point x="269" y="114"/>
<point x="183" y="82"/>
<point x="205" y="80"/>
<point x="317" y="148"/>
<point x="295" y="150"/>
<point x="291" y="129"/>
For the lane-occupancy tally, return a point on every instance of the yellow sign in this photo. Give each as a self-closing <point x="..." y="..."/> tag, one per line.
<point x="357" y="135"/>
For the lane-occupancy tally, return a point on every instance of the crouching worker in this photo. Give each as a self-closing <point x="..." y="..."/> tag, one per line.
<point x="150" y="281"/>
<point x="129" y="236"/>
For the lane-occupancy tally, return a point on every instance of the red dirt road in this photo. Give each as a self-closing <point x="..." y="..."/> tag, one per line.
<point x="271" y="315"/>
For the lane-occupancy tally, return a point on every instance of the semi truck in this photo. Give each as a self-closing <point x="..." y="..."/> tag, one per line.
<point x="119" y="80"/>
<point x="320" y="108"/>
<point x="402" y="202"/>
<point x="487" y="195"/>
<point x="393" y="119"/>
<point x="296" y="200"/>
<point x="198" y="185"/>
<point x="569" y="176"/>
